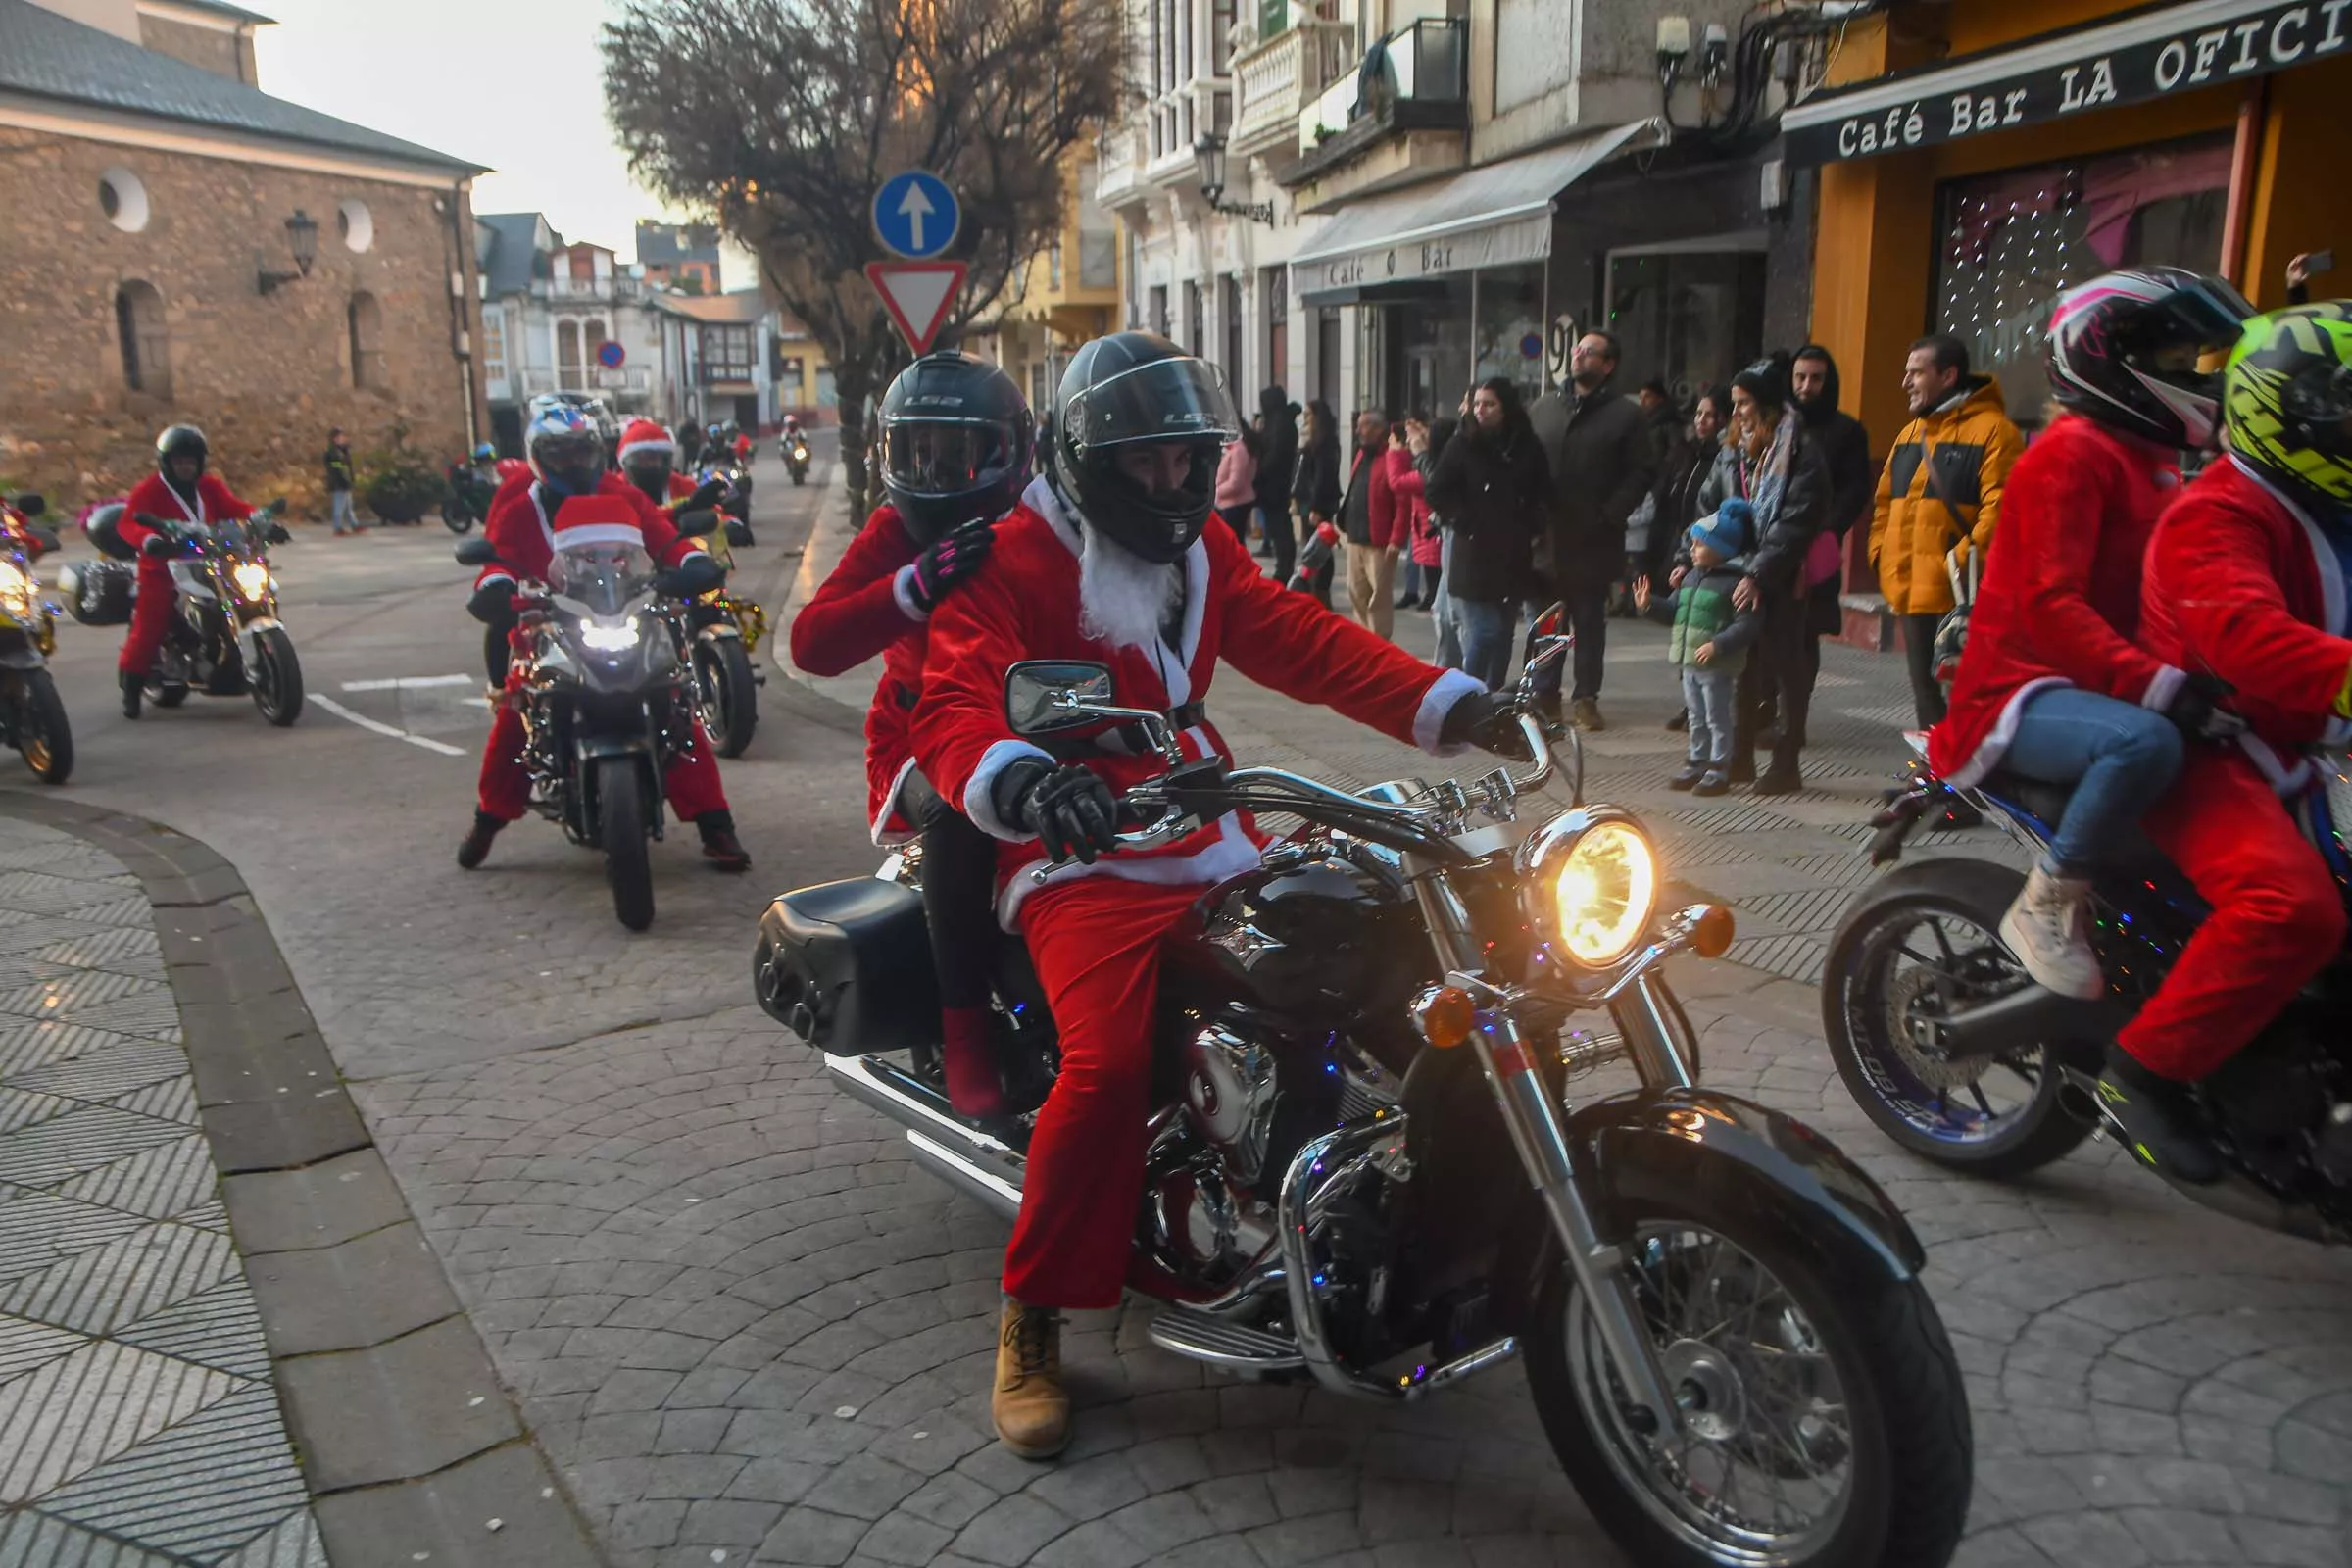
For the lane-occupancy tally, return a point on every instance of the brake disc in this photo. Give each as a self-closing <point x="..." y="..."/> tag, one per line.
<point x="1916" y="1033"/>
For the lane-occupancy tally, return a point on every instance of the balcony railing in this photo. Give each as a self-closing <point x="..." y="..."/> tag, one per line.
<point x="1422" y="79"/>
<point x="592" y="378"/>
<point x="588" y="290"/>
<point x="1277" y="79"/>
<point x="1118" y="177"/>
<point x="1180" y="117"/>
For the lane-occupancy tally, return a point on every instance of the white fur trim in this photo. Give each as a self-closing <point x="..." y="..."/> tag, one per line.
<point x="879" y="828"/>
<point x="1196" y="610"/>
<point x="629" y="449"/>
<point x="1042" y="499"/>
<point x="1449" y="688"/>
<point x="1996" y="746"/>
<point x="2324" y="560"/>
<point x="594" y="533"/>
<point x="2272" y="766"/>
<point x="977" y="801"/>
<point x="1229" y="854"/>
<point x="901" y="589"/>
<point x="2163" y="687"/>
<point x="501" y="575"/>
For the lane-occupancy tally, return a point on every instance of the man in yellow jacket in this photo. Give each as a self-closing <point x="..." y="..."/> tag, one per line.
<point x="1941" y="488"/>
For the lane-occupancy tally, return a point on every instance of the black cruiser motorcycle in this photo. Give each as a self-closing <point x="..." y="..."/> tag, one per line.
<point x="1367" y="1168"/>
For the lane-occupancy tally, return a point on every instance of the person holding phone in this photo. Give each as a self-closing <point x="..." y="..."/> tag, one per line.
<point x="2301" y="270"/>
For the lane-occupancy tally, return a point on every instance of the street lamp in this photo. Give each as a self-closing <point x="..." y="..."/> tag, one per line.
<point x="1210" y="154"/>
<point x="301" y="236"/>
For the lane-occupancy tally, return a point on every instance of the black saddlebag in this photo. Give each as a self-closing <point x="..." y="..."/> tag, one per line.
<point x="97" y="593"/>
<point x="846" y="967"/>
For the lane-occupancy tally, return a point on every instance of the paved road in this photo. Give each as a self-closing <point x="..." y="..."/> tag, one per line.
<point x="746" y="1330"/>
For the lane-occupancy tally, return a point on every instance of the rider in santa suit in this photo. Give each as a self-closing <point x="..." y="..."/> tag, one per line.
<point x="2246" y="581"/>
<point x="957" y="440"/>
<point x="574" y="501"/>
<point x="1105" y="561"/>
<point x="179" y="490"/>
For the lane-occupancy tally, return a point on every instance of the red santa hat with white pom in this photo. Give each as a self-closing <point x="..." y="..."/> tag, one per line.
<point x="644" y="436"/>
<point x="600" y="519"/>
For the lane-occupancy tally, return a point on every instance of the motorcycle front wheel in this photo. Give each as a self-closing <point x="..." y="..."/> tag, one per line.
<point x="167" y="693"/>
<point x="457" y="519"/>
<point x="621" y="816"/>
<point x="276" y="677"/>
<point x="43" y="737"/>
<point x="1824" y="1422"/>
<point x="729" y="693"/>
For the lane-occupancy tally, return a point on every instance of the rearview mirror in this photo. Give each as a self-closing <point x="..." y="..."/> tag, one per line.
<point x="476" y="552"/>
<point x="1044" y="696"/>
<point x="32" y="506"/>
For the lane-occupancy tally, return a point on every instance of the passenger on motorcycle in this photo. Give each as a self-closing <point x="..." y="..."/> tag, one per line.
<point x="2246" y="581"/>
<point x="2051" y="685"/>
<point x="1105" y="561"/>
<point x="957" y="442"/>
<point x="649" y="459"/>
<point x="180" y="489"/>
<point x="526" y="525"/>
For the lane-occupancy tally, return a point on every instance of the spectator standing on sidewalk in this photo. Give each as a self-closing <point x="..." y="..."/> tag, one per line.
<point x="1277" y="468"/>
<point x="1940" y="494"/>
<point x="1415" y="541"/>
<point x="1237" y="484"/>
<point x="1426" y="443"/>
<point x="1493" y="487"/>
<point x="339" y="481"/>
<point x="1665" y="420"/>
<point x="1845" y="451"/>
<point x="1598" y="453"/>
<point x="1654" y="532"/>
<point x="1368" y="516"/>
<point x="1710" y="641"/>
<point x="1315" y="489"/>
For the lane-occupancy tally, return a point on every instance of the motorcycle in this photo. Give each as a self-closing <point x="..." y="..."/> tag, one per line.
<point x="468" y="500"/>
<point x="33" y="716"/>
<point x="723" y="632"/>
<point x="735" y="497"/>
<point x="226" y="637"/>
<point x="1954" y="1052"/>
<point x="795" y="457"/>
<point x="1366" y="1169"/>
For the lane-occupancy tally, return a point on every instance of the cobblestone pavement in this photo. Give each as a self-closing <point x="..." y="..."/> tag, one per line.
<point x="137" y="1421"/>
<point x="746" y="1330"/>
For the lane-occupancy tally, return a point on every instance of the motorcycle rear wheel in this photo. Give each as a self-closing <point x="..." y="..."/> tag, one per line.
<point x="44" y="739"/>
<point x="275" y="678"/>
<point x="622" y="819"/>
<point x="730" y="705"/>
<point x="167" y="693"/>
<point x="456" y="517"/>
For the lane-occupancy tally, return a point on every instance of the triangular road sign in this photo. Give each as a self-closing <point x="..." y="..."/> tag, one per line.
<point x="918" y="296"/>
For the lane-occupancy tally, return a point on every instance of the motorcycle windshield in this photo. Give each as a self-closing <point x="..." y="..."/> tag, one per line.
<point x="603" y="580"/>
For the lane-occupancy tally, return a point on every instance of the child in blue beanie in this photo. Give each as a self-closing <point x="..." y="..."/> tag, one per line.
<point x="1710" y="641"/>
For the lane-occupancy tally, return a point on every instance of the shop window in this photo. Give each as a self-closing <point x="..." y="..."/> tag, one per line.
<point x="1274" y="287"/>
<point x="366" y="318"/>
<point x="146" y="347"/>
<point x="1507" y="337"/>
<point x="2013" y="242"/>
<point x="1690" y="319"/>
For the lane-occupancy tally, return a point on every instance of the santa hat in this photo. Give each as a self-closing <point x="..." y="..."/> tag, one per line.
<point x="596" y="521"/>
<point x="644" y="436"/>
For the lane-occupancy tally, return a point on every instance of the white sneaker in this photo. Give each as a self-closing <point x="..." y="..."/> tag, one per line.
<point x="2048" y="929"/>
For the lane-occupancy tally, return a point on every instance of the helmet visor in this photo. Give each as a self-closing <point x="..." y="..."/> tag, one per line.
<point x="1166" y="400"/>
<point x="2201" y="316"/>
<point x="944" y="457"/>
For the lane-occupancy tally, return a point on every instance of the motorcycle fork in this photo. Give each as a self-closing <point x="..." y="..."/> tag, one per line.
<point x="1537" y="1132"/>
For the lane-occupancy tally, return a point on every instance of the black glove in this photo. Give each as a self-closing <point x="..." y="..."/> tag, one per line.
<point x="276" y="534"/>
<point x="493" y="603"/>
<point x="1069" y="809"/>
<point x="949" y="562"/>
<point x="157" y="544"/>
<point x="706" y="493"/>
<point x="2196" y="709"/>
<point x="698" y="574"/>
<point x="1479" y="721"/>
<point x="698" y="520"/>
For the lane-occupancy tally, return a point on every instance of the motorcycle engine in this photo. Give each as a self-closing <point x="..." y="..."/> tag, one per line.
<point x="1229" y="1086"/>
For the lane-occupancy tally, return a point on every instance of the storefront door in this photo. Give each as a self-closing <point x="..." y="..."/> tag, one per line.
<point x="1691" y="318"/>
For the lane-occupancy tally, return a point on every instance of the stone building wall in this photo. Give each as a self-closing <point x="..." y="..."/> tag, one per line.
<point x="265" y="377"/>
<point x="212" y="49"/>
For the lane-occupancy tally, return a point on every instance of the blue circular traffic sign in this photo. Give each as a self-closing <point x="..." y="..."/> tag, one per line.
<point x="915" y="214"/>
<point x="611" y="355"/>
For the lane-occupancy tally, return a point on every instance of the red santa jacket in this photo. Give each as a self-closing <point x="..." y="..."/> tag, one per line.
<point x="1384" y="520"/>
<point x="1024" y="603"/>
<point x="215" y="503"/>
<point x="1410" y="530"/>
<point x="2242" y="584"/>
<point x="2059" y="605"/>
<point x="519" y="530"/>
<point x="867" y="609"/>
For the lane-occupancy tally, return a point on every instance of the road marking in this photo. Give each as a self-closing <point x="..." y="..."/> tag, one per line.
<point x="365" y="722"/>
<point x="407" y="683"/>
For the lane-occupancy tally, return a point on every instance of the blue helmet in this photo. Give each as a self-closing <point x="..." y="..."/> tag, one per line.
<point x="485" y="453"/>
<point x="564" y="448"/>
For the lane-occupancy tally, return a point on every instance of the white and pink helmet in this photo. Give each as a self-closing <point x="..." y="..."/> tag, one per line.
<point x="2123" y="349"/>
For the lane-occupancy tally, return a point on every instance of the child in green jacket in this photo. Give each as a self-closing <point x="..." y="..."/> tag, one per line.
<point x="1710" y="641"/>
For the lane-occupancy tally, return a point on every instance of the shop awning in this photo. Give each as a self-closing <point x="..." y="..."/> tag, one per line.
<point x="2149" y="54"/>
<point x="1491" y="216"/>
<point x="1400" y="291"/>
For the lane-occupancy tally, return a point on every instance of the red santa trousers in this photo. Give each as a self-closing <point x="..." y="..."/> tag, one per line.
<point x="1097" y="945"/>
<point x="689" y="781"/>
<point x="150" y="614"/>
<point x="2277" y="919"/>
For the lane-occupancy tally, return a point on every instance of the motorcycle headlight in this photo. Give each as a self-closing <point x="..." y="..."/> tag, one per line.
<point x="617" y="637"/>
<point x="1590" y="884"/>
<point x="251" y="577"/>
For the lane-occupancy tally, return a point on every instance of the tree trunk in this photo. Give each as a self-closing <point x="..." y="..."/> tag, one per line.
<point x="852" y="385"/>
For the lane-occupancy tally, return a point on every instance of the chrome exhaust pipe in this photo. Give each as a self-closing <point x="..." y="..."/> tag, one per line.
<point x="975" y="1163"/>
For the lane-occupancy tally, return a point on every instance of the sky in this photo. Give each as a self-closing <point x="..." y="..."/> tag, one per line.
<point x="516" y="84"/>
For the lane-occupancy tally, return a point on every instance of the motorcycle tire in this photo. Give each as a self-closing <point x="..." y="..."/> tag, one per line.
<point x="1908" y="1451"/>
<point x="621" y="822"/>
<point x="732" y="712"/>
<point x="457" y="519"/>
<point x="275" y="678"/>
<point x="799" y="476"/>
<point x="1855" y="1019"/>
<point x="167" y="693"/>
<point x="44" y="739"/>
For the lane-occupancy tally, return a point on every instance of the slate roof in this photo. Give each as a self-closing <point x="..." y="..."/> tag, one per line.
<point x="45" y="55"/>
<point x="508" y="267"/>
<point x="661" y="244"/>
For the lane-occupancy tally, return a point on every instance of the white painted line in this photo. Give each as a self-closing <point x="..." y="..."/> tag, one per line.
<point x="407" y="683"/>
<point x="365" y="722"/>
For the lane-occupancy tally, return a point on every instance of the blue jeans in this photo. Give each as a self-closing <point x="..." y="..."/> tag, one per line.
<point x="1487" y="630"/>
<point x="342" y="514"/>
<point x="2120" y="758"/>
<point x="1712" y="694"/>
<point x="1441" y="610"/>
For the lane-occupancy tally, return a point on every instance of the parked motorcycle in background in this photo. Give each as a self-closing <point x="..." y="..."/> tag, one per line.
<point x="1365" y="1162"/>
<point x="33" y="716"/>
<point x="468" y="500"/>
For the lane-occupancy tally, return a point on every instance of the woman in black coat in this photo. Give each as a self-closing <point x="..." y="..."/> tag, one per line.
<point x="1493" y="487"/>
<point x="1277" y="470"/>
<point x="1316" y="489"/>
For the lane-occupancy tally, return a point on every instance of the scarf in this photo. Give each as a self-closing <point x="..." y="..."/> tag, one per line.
<point x="1766" y="479"/>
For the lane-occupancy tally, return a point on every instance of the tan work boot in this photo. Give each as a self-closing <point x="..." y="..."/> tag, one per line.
<point x="1585" y="713"/>
<point x="1031" y="1408"/>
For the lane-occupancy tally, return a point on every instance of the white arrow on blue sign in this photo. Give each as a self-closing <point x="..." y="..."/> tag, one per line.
<point x="915" y="214"/>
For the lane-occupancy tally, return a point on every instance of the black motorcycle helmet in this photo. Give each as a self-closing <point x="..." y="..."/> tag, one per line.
<point x="181" y="441"/>
<point x="957" y="443"/>
<point x="1133" y="390"/>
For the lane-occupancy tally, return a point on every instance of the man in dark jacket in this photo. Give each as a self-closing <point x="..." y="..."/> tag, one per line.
<point x="1601" y="461"/>
<point x="339" y="483"/>
<point x="1368" y="516"/>
<point x="1844" y="449"/>
<point x="1277" y="468"/>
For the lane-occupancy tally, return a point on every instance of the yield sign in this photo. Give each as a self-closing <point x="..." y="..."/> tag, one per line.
<point x="918" y="296"/>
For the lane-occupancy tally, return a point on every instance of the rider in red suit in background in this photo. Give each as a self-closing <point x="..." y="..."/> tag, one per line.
<point x="179" y="490"/>
<point x="956" y="437"/>
<point x="1105" y="561"/>
<point x="574" y="499"/>
<point x="2246" y="581"/>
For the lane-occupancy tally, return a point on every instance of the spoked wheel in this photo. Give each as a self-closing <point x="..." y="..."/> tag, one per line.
<point x="726" y="694"/>
<point x="43" y="737"/>
<point x="1823" y="1422"/>
<point x="622" y="812"/>
<point x="275" y="678"/>
<point x="1920" y="946"/>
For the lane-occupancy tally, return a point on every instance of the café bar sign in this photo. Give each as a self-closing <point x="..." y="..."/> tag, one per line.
<point x="2136" y="59"/>
<point x="1526" y="239"/>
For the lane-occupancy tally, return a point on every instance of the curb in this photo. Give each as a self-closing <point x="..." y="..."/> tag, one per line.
<point x="412" y="1451"/>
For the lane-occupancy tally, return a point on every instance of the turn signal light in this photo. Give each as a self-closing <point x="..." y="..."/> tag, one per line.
<point x="1445" y="1015"/>
<point x="1711" y="938"/>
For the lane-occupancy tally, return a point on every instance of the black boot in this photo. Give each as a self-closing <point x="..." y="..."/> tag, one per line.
<point x="2158" y="1120"/>
<point x="133" y="688"/>
<point x="475" y="847"/>
<point x="721" y="847"/>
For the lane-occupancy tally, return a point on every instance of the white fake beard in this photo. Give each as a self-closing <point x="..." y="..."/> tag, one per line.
<point x="1123" y="598"/>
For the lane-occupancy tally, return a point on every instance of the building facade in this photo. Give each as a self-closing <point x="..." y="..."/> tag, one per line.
<point x="1068" y="294"/>
<point x="182" y="247"/>
<point x="550" y="308"/>
<point x="680" y="256"/>
<point x="718" y="359"/>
